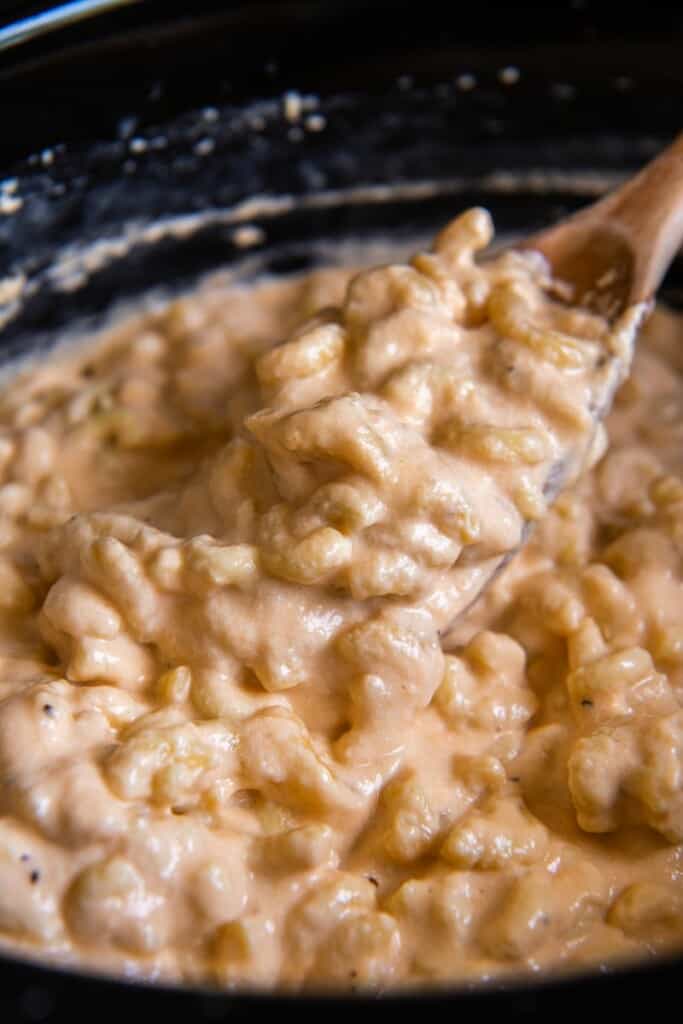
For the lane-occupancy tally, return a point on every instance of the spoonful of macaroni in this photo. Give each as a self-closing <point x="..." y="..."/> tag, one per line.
<point x="467" y="396"/>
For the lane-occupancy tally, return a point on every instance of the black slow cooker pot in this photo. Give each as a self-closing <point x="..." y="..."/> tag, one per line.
<point x="135" y="133"/>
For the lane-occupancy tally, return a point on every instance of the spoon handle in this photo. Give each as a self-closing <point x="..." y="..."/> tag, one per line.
<point x="616" y="251"/>
<point x="648" y="211"/>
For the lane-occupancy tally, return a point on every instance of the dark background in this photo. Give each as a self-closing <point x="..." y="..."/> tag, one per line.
<point x="158" y="57"/>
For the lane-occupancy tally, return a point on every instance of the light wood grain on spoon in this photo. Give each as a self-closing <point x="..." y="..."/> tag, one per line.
<point x="615" y="252"/>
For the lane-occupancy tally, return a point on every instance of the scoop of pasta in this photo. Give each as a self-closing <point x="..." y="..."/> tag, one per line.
<point x="414" y="433"/>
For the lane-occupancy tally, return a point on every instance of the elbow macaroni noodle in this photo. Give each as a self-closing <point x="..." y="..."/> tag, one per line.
<point x="248" y="734"/>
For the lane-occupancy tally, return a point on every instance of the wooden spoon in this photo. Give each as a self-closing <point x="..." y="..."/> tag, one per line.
<point x="615" y="252"/>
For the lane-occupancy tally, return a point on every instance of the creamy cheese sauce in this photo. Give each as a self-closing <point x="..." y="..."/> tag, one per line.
<point x="251" y="732"/>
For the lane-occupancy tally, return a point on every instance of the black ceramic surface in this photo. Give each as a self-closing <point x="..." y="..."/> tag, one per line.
<point x="175" y="114"/>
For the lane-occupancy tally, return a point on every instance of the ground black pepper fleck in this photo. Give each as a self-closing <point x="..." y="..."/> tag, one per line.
<point x="34" y="876"/>
<point x="49" y="710"/>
